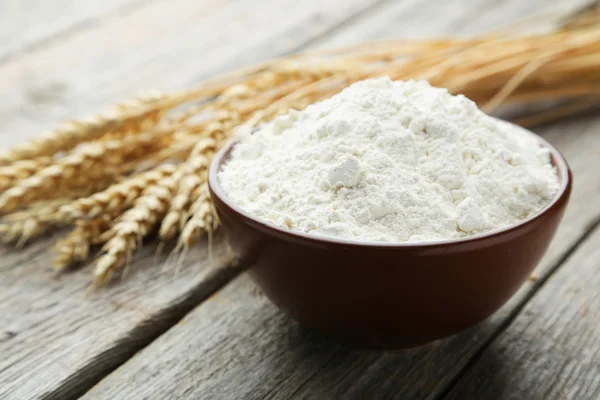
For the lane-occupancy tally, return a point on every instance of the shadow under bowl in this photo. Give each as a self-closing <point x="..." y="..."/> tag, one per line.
<point x="389" y="295"/>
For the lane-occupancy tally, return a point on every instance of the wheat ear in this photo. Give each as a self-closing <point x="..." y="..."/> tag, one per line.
<point x="92" y="162"/>
<point x="135" y="224"/>
<point x="20" y="227"/>
<point x="203" y="219"/>
<point x="117" y="197"/>
<point x="75" y="247"/>
<point x="129" y="116"/>
<point x="193" y="175"/>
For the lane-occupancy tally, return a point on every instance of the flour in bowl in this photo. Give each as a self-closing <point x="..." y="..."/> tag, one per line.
<point x="390" y="161"/>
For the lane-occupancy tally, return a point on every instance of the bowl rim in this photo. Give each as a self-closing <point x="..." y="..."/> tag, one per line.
<point x="563" y="171"/>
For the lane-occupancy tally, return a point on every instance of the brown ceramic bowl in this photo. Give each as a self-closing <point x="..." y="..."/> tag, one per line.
<point x="389" y="295"/>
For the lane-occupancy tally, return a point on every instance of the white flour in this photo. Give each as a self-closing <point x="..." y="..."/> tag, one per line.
<point x="392" y="162"/>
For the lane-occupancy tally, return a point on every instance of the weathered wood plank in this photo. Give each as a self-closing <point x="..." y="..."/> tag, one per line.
<point x="164" y="45"/>
<point x="29" y="24"/>
<point x="55" y="339"/>
<point x="408" y="19"/>
<point x="237" y="346"/>
<point x="55" y="342"/>
<point x="552" y="350"/>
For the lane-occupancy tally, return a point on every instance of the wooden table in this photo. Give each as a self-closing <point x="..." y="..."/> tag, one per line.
<point x="206" y="333"/>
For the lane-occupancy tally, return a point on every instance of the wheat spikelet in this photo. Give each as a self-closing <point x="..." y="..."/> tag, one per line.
<point x="75" y="247"/>
<point x="193" y="175"/>
<point x="92" y="162"/>
<point x="193" y="172"/>
<point x="117" y="197"/>
<point x="135" y="224"/>
<point x="129" y="116"/>
<point x="203" y="219"/>
<point x="22" y="169"/>
<point x="20" y="227"/>
<point x="19" y="232"/>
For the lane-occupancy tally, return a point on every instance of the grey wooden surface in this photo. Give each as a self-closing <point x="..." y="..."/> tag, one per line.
<point x="31" y="24"/>
<point x="239" y="346"/>
<point x="552" y="349"/>
<point x="74" y="58"/>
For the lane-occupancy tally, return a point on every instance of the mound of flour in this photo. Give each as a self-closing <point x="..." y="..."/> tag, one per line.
<point x="392" y="162"/>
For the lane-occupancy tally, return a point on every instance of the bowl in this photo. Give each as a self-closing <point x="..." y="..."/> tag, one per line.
<point x="389" y="295"/>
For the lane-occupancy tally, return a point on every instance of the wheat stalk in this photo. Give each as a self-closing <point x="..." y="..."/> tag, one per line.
<point x="177" y="151"/>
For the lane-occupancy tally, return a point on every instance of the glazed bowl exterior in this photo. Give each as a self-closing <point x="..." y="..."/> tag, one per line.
<point x="388" y="295"/>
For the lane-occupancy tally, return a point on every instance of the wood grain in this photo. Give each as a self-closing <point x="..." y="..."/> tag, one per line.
<point x="411" y="19"/>
<point x="55" y="342"/>
<point x="163" y="45"/>
<point x="552" y="350"/>
<point x="30" y="24"/>
<point x="238" y="346"/>
<point x="56" y="338"/>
